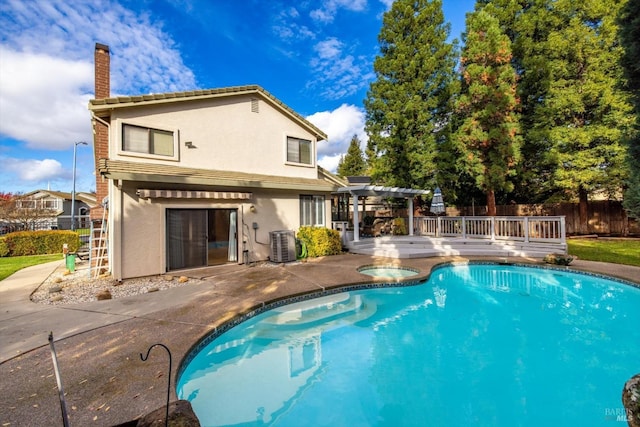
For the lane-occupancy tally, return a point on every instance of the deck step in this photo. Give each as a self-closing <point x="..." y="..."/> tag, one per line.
<point x="423" y="247"/>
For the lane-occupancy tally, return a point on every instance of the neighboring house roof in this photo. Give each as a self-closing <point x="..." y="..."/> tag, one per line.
<point x="108" y="104"/>
<point x="88" y="198"/>
<point x="170" y="174"/>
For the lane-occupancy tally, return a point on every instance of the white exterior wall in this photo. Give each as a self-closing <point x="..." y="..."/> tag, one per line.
<point x="226" y="135"/>
<point x="139" y="225"/>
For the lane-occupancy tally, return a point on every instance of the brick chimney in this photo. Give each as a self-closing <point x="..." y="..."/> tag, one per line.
<point x="102" y="76"/>
<point x="101" y="131"/>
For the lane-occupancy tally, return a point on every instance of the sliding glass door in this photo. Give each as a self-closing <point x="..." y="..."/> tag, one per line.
<point x="201" y="237"/>
<point x="222" y="243"/>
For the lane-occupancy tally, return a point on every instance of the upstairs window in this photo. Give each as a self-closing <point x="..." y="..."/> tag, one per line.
<point x="298" y="151"/>
<point x="138" y="139"/>
<point x="51" y="203"/>
<point x="26" y="204"/>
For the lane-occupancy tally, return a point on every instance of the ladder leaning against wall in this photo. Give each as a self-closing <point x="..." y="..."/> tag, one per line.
<point x="99" y="244"/>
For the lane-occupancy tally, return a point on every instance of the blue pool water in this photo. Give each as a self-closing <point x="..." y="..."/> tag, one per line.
<point x="481" y="345"/>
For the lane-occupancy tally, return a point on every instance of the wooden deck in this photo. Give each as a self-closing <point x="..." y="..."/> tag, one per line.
<point x="425" y="247"/>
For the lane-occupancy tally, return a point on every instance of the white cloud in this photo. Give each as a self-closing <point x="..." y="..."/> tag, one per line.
<point x="46" y="71"/>
<point x="43" y="100"/>
<point x="340" y="125"/>
<point x="327" y="12"/>
<point x="35" y="171"/>
<point x="387" y="3"/>
<point x="329" y="49"/>
<point x="330" y="163"/>
<point x="345" y="73"/>
<point x="287" y="29"/>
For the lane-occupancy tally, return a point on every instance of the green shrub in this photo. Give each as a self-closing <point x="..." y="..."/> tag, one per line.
<point x="399" y="228"/>
<point x="39" y="242"/>
<point x="320" y="241"/>
<point x="4" y="249"/>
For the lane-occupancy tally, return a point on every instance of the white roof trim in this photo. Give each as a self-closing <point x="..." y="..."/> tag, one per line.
<point x="379" y="190"/>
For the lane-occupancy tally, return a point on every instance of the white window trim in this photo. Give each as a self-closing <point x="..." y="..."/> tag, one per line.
<point x="122" y="152"/>
<point x="315" y="208"/>
<point x="313" y="151"/>
<point x="56" y="203"/>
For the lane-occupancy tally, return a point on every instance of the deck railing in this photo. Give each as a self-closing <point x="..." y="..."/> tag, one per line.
<point x="517" y="228"/>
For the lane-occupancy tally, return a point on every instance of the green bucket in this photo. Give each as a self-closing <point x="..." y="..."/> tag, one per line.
<point x="70" y="261"/>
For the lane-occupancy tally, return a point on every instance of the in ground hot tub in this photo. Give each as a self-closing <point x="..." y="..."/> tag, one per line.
<point x="387" y="271"/>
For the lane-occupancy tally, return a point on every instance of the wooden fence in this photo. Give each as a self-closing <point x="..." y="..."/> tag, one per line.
<point x="604" y="217"/>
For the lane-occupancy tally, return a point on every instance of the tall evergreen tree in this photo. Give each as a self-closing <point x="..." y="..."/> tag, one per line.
<point x="630" y="36"/>
<point x="489" y="135"/>
<point x="528" y="24"/>
<point x="584" y="116"/>
<point x="353" y="163"/>
<point x="408" y="103"/>
<point x="574" y="114"/>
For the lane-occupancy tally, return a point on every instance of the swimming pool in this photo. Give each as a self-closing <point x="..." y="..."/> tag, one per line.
<point x="474" y="345"/>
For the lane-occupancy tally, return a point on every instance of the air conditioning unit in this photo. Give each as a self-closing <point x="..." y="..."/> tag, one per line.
<point x="283" y="246"/>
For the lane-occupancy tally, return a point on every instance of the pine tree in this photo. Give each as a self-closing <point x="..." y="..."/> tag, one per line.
<point x="630" y="36"/>
<point x="528" y="24"/>
<point x="574" y="115"/>
<point x="489" y="135"/>
<point x="353" y="163"/>
<point x="584" y="115"/>
<point x="407" y="105"/>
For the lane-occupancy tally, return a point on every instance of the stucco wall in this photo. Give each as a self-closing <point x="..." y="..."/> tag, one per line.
<point x="225" y="133"/>
<point x="140" y="225"/>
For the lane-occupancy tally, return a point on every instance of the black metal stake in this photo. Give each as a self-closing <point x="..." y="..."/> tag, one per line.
<point x="166" y="419"/>
<point x="63" y="405"/>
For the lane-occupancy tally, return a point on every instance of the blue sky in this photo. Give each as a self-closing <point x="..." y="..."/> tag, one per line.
<point x="315" y="56"/>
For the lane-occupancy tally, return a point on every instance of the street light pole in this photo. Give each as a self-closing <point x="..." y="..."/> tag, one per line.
<point x="73" y="192"/>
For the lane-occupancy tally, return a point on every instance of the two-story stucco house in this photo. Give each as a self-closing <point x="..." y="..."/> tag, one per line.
<point x="201" y="178"/>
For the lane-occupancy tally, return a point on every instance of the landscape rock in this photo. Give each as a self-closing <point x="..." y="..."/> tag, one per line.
<point x="631" y="400"/>
<point x="558" y="259"/>
<point x="104" y="295"/>
<point x="153" y="289"/>
<point x="55" y="289"/>
<point x="80" y="286"/>
<point x="183" y="279"/>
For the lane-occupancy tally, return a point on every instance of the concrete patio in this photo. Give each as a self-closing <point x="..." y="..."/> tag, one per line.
<point x="99" y="343"/>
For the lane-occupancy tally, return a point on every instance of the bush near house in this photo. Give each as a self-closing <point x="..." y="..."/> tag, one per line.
<point x="38" y="242"/>
<point x="4" y="249"/>
<point x="320" y="241"/>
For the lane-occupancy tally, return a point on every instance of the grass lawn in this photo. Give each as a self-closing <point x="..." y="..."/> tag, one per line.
<point x="617" y="251"/>
<point x="9" y="265"/>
